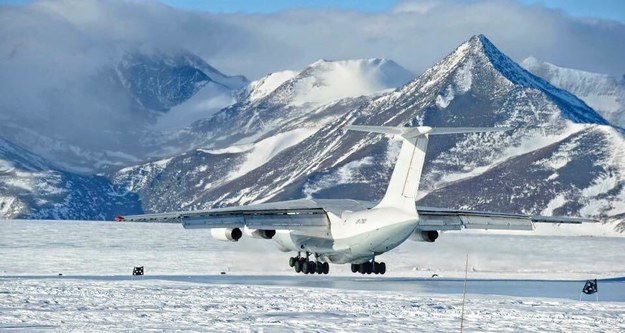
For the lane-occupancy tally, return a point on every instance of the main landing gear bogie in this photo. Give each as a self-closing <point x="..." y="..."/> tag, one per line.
<point x="305" y="265"/>
<point x="369" y="267"/>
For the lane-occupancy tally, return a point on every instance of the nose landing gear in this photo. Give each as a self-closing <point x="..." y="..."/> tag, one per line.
<point x="305" y="265"/>
<point x="369" y="267"/>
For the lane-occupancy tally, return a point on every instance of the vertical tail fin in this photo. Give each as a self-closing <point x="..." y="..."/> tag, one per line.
<point x="404" y="183"/>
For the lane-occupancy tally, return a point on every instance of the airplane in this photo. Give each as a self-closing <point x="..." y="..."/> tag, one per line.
<point x="345" y="231"/>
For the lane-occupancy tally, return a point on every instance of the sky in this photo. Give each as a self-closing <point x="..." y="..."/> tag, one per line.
<point x="255" y="37"/>
<point x="605" y="9"/>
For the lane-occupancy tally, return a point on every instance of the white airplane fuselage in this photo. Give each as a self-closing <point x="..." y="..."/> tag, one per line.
<point x="353" y="237"/>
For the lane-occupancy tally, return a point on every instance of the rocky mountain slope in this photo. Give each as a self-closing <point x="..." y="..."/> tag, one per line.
<point x="159" y="82"/>
<point x="268" y="118"/>
<point x="31" y="187"/>
<point x="604" y="93"/>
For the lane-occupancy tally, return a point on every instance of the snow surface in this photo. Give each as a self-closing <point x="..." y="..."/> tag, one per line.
<point x="262" y="151"/>
<point x="461" y="84"/>
<point x="325" y="81"/>
<point x="183" y="290"/>
<point x="263" y="87"/>
<point x="209" y="100"/>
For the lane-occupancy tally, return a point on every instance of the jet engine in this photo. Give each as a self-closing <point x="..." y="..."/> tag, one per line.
<point x="259" y="233"/>
<point x="225" y="234"/>
<point x="424" y="236"/>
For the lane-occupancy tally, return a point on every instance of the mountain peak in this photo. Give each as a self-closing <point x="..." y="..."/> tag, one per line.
<point x="325" y="80"/>
<point x="479" y="60"/>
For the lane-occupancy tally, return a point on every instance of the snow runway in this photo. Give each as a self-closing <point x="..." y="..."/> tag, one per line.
<point x="517" y="283"/>
<point x="253" y="303"/>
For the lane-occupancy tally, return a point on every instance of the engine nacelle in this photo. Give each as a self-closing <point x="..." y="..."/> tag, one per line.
<point x="424" y="236"/>
<point x="259" y="233"/>
<point x="225" y="234"/>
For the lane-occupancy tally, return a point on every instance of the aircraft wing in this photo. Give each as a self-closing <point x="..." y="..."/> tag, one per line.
<point x="451" y="219"/>
<point x="291" y="215"/>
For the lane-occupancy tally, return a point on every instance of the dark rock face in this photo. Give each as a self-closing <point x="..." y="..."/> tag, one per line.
<point x="159" y="82"/>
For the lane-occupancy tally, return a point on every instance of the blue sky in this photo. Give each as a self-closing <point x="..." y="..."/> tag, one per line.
<point x="607" y="9"/>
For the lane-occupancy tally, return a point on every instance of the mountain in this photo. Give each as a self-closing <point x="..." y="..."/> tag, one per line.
<point x="275" y="101"/>
<point x="604" y="93"/>
<point x="31" y="187"/>
<point x="561" y="156"/>
<point x="268" y="118"/>
<point x="325" y="81"/>
<point x="159" y="82"/>
<point x="124" y="112"/>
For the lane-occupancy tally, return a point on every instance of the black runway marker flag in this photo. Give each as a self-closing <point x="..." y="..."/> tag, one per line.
<point x="590" y="287"/>
<point x="137" y="271"/>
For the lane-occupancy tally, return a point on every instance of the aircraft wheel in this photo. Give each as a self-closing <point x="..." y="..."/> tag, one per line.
<point x="319" y="267"/>
<point x="305" y="268"/>
<point x="325" y="268"/>
<point x="354" y="268"/>
<point x="376" y="267"/>
<point x="298" y="266"/>
<point x="382" y="268"/>
<point x="312" y="267"/>
<point x="362" y="269"/>
<point x="292" y="261"/>
<point x="369" y="267"/>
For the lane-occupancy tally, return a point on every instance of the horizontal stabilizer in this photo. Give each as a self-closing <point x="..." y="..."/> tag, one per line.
<point x="411" y="132"/>
<point x="460" y="130"/>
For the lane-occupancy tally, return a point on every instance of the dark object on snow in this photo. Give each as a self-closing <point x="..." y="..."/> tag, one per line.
<point x="590" y="287"/>
<point x="137" y="271"/>
<point x="60" y="274"/>
<point x="434" y="275"/>
<point x="223" y="273"/>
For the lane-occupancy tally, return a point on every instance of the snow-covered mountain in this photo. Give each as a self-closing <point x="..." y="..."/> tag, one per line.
<point x="129" y="110"/>
<point x="169" y="80"/>
<point x="562" y="157"/>
<point x="276" y="102"/>
<point x="31" y="187"/>
<point x="604" y="93"/>
<point x="268" y="119"/>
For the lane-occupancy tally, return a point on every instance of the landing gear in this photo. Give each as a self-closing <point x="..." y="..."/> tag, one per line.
<point x="369" y="267"/>
<point x="307" y="266"/>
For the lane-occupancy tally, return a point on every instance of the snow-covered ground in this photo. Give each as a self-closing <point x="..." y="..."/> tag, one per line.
<point x="516" y="283"/>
